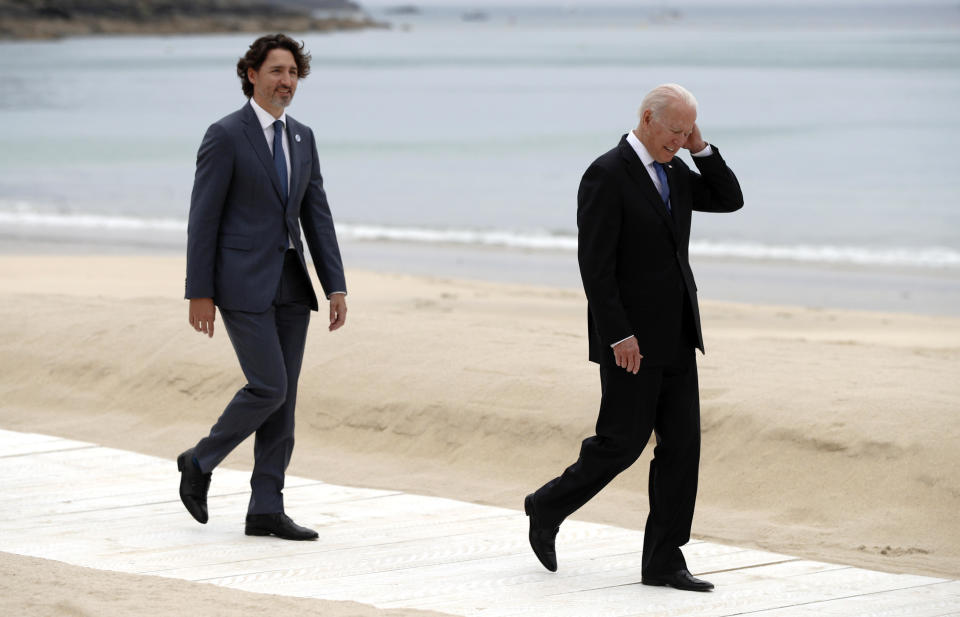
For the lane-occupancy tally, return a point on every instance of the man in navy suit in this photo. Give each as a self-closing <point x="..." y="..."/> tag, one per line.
<point x="634" y="209"/>
<point x="257" y="186"/>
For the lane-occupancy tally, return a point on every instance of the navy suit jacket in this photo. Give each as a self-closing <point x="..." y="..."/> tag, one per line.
<point x="239" y="226"/>
<point x="633" y="253"/>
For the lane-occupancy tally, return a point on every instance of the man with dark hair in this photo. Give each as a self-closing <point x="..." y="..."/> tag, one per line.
<point x="258" y="51"/>
<point x="634" y="209"/>
<point x="257" y="186"/>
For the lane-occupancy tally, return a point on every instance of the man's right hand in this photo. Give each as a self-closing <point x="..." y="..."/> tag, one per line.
<point x="627" y="354"/>
<point x="202" y="315"/>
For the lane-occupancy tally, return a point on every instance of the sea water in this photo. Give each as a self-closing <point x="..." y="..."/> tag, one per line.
<point x="841" y="123"/>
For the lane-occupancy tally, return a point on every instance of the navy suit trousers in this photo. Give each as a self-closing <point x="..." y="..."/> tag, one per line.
<point x="269" y="347"/>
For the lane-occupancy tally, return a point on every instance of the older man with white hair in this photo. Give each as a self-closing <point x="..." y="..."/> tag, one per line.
<point x="634" y="209"/>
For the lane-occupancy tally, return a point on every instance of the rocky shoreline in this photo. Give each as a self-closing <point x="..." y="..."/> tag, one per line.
<point x="45" y="19"/>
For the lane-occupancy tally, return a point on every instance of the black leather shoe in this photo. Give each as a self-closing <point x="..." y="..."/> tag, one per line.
<point x="194" y="485"/>
<point x="277" y="524"/>
<point x="542" y="537"/>
<point x="681" y="579"/>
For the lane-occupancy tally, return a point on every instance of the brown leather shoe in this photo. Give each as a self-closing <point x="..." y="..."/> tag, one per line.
<point x="681" y="579"/>
<point x="277" y="524"/>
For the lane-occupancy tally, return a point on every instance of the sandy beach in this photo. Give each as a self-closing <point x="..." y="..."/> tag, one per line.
<point x="827" y="434"/>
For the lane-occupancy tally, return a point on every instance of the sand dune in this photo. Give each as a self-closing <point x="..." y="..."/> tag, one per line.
<point x="82" y="591"/>
<point x="827" y="434"/>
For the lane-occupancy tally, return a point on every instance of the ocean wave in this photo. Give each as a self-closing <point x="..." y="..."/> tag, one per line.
<point x="90" y="221"/>
<point x="928" y="257"/>
<point x="494" y="237"/>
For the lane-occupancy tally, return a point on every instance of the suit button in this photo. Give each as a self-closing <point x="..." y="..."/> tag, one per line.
<point x="281" y="248"/>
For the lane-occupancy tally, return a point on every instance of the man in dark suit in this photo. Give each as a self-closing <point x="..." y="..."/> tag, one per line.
<point x="633" y="214"/>
<point x="257" y="186"/>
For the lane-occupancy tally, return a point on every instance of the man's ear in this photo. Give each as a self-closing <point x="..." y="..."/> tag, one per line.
<point x="251" y="75"/>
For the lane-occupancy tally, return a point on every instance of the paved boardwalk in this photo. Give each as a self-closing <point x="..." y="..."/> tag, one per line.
<point x="110" y="509"/>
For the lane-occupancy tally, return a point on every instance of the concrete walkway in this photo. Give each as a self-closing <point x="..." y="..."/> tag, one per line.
<point x="115" y="510"/>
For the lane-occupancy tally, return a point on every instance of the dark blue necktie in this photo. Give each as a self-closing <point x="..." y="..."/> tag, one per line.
<point x="664" y="186"/>
<point x="279" y="160"/>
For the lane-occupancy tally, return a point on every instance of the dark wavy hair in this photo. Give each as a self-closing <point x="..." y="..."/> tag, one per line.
<point x="258" y="51"/>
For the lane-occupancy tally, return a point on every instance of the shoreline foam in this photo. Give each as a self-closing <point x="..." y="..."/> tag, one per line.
<point x="927" y="258"/>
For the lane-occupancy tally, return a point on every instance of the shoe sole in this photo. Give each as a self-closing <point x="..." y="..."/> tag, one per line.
<point x="655" y="583"/>
<point x="266" y="532"/>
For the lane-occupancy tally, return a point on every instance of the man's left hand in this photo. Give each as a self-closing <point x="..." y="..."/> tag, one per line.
<point x="694" y="141"/>
<point x="338" y="311"/>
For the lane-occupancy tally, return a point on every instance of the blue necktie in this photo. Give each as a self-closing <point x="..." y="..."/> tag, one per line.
<point x="279" y="160"/>
<point x="664" y="186"/>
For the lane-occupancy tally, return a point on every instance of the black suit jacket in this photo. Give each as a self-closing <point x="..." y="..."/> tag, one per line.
<point x="239" y="225"/>
<point x="633" y="253"/>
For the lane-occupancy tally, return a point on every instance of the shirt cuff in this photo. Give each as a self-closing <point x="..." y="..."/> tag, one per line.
<point x="705" y="152"/>
<point x="620" y="341"/>
<point x="333" y="293"/>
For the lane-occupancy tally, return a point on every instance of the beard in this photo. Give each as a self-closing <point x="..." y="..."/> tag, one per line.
<point x="280" y="100"/>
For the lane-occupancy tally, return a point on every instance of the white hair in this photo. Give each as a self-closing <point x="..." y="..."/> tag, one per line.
<point x="663" y="96"/>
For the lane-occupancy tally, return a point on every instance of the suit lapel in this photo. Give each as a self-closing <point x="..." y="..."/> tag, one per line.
<point x="640" y="176"/>
<point x="297" y="154"/>
<point x="258" y="142"/>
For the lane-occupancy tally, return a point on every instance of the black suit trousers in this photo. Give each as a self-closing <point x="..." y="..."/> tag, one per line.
<point x="269" y="347"/>
<point x="663" y="400"/>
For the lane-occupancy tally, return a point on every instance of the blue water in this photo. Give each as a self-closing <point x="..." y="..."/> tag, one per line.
<point x="840" y="123"/>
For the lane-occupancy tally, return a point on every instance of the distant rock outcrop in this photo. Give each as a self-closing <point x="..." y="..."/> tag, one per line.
<point x="57" y="18"/>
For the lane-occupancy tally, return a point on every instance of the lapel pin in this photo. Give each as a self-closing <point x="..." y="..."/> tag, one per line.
<point x="297" y="137"/>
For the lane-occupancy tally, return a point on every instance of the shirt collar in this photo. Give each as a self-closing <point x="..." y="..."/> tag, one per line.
<point x="266" y="120"/>
<point x="640" y="149"/>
